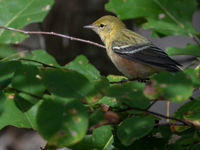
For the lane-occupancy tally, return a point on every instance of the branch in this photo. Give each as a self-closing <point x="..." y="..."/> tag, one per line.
<point x="159" y="115"/>
<point x="55" y="34"/>
<point x="20" y="91"/>
<point x="196" y="40"/>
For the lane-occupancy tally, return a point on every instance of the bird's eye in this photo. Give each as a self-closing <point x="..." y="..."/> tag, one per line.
<point x="101" y="25"/>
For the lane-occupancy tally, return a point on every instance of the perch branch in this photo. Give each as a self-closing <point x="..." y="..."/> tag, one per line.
<point x="55" y="34"/>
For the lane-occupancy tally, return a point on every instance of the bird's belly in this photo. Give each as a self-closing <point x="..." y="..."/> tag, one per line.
<point x="130" y="68"/>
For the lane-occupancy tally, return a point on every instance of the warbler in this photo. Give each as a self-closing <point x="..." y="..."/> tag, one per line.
<point x="132" y="54"/>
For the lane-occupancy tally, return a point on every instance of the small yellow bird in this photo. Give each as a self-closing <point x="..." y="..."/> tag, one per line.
<point x="132" y="54"/>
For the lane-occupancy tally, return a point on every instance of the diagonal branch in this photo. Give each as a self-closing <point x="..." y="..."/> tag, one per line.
<point x="55" y="34"/>
<point x="157" y="114"/>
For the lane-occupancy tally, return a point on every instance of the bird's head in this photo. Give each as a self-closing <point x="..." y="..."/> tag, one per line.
<point x="105" y="26"/>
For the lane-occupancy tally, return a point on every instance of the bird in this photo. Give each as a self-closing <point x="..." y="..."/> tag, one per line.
<point x="132" y="54"/>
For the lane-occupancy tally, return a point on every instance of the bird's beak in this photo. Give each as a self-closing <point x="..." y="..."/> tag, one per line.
<point x="89" y="26"/>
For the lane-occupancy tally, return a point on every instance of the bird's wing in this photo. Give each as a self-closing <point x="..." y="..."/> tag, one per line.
<point x="147" y="54"/>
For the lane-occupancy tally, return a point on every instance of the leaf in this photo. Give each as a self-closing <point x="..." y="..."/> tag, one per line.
<point x="44" y="57"/>
<point x="28" y="79"/>
<point x="176" y="87"/>
<point x="102" y="137"/>
<point x="115" y="78"/>
<point x="167" y="17"/>
<point x="85" y="143"/>
<point x="66" y="83"/>
<point x="134" y="128"/>
<point x="190" y="49"/>
<point x="194" y="75"/>
<point x="189" y="112"/>
<point x="62" y="123"/>
<point x="6" y="51"/>
<point x="19" y="13"/>
<point x="96" y="117"/>
<point x="24" y="101"/>
<point x="81" y="65"/>
<point x="110" y="101"/>
<point x="7" y="70"/>
<point x="13" y="116"/>
<point x="130" y="93"/>
<point x="2" y="102"/>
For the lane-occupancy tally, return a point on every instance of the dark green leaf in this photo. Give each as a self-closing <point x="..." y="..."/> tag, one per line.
<point x="134" y="128"/>
<point x="6" y="51"/>
<point x="189" y="111"/>
<point x="28" y="79"/>
<point x="62" y="123"/>
<point x="85" y="144"/>
<point x="102" y="137"/>
<point x="167" y="17"/>
<point x="81" y="65"/>
<point x="130" y="93"/>
<point x="19" y="13"/>
<point x="24" y="101"/>
<point x="44" y="57"/>
<point x="66" y="83"/>
<point x="190" y="49"/>
<point x="7" y="70"/>
<point x="2" y="101"/>
<point x="194" y="75"/>
<point x="96" y="117"/>
<point x="175" y="87"/>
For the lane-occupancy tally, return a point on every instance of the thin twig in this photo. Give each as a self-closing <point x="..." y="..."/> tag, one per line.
<point x="55" y="34"/>
<point x="20" y="91"/>
<point x="169" y="124"/>
<point x="196" y="39"/>
<point x="152" y="103"/>
<point x="157" y="114"/>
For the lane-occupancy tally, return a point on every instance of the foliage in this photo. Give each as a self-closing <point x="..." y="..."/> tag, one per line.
<point x="75" y="106"/>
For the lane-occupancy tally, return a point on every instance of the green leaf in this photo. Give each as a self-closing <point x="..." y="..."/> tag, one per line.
<point x="96" y="117"/>
<point x="84" y="144"/>
<point x="62" y="123"/>
<point x="66" y="83"/>
<point x="102" y="137"/>
<point x="167" y="17"/>
<point x="19" y="13"/>
<point x="189" y="111"/>
<point x="130" y="93"/>
<point x="175" y="87"/>
<point x="24" y="101"/>
<point x="13" y="116"/>
<point x="44" y="57"/>
<point x="81" y="65"/>
<point x="2" y="102"/>
<point x="115" y="78"/>
<point x="6" y="51"/>
<point x="28" y="79"/>
<point x="7" y="70"/>
<point x="190" y="49"/>
<point x="194" y="75"/>
<point x="110" y="101"/>
<point x="134" y="128"/>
